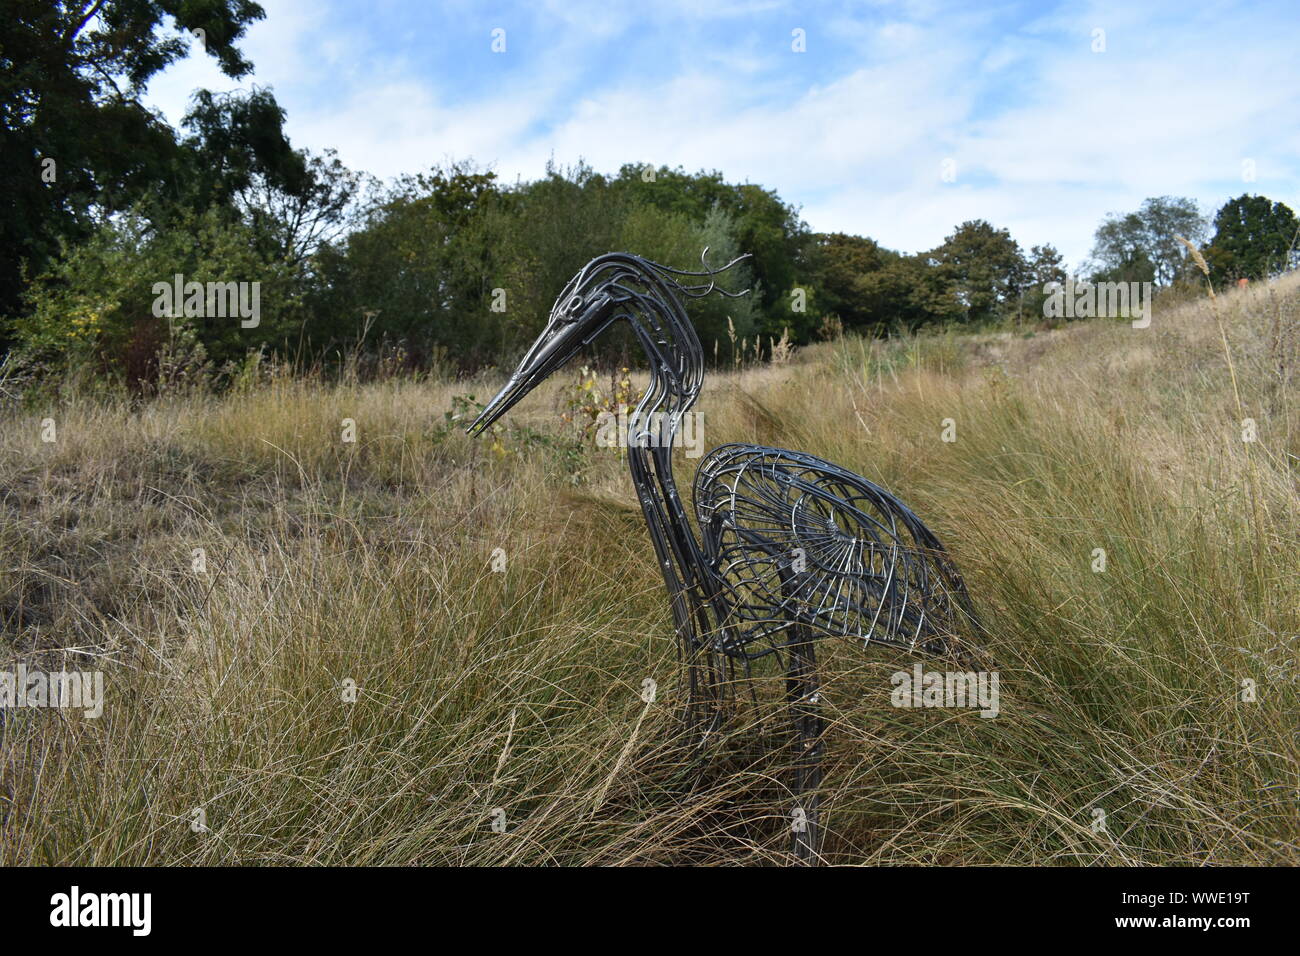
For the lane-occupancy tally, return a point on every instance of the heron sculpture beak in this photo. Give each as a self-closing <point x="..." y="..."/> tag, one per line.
<point x="574" y="322"/>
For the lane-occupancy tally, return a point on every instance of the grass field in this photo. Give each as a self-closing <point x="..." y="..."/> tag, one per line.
<point x="1123" y="736"/>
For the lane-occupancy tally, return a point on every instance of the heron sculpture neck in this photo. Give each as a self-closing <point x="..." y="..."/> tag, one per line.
<point x="675" y="359"/>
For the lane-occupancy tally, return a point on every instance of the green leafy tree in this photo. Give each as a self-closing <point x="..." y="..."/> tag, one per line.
<point x="1142" y="246"/>
<point x="76" y="142"/>
<point x="907" y="293"/>
<point x="1254" y="238"/>
<point x="418" y="269"/>
<point x="543" y="232"/>
<point x="982" y="269"/>
<point x="676" y="240"/>
<point x="767" y="228"/>
<point x="840" y="263"/>
<point x="98" y="305"/>
<point x="293" y="223"/>
<point x="1044" y="266"/>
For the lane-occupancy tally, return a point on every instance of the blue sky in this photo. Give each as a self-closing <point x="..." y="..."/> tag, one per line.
<point x="1044" y="135"/>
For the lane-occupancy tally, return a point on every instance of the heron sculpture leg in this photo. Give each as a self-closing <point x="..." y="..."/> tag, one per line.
<point x="803" y="698"/>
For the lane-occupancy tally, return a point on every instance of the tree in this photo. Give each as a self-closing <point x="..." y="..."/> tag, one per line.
<point x="237" y="157"/>
<point x="908" y="292"/>
<point x="839" y="264"/>
<point x="1142" y="245"/>
<point x="296" y="221"/>
<point x="76" y="143"/>
<point x="1044" y="266"/>
<point x="236" y="140"/>
<point x="420" y="264"/>
<point x="982" y="268"/>
<point x="1254" y="238"/>
<point x="767" y="228"/>
<point x="543" y="232"/>
<point x="97" y="307"/>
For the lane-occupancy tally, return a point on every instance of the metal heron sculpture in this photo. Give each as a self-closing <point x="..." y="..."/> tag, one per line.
<point x="790" y="547"/>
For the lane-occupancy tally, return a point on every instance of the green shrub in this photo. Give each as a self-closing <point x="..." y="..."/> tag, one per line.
<point x="97" y="307"/>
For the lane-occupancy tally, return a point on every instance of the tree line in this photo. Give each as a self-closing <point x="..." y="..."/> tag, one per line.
<point x="109" y="204"/>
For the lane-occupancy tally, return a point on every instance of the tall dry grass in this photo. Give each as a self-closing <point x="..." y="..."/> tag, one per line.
<point x="369" y="562"/>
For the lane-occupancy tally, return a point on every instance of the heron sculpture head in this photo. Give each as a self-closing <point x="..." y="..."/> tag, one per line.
<point x="575" y="320"/>
<point x="606" y="289"/>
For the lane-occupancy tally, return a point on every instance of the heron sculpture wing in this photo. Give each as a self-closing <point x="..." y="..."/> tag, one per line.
<point x="795" y="539"/>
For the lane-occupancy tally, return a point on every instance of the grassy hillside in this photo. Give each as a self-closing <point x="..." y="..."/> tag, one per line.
<point x="329" y="561"/>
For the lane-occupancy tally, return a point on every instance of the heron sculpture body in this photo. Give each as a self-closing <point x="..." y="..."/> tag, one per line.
<point x="790" y="547"/>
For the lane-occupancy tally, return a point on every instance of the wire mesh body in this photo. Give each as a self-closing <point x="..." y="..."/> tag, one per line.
<point x="791" y="538"/>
